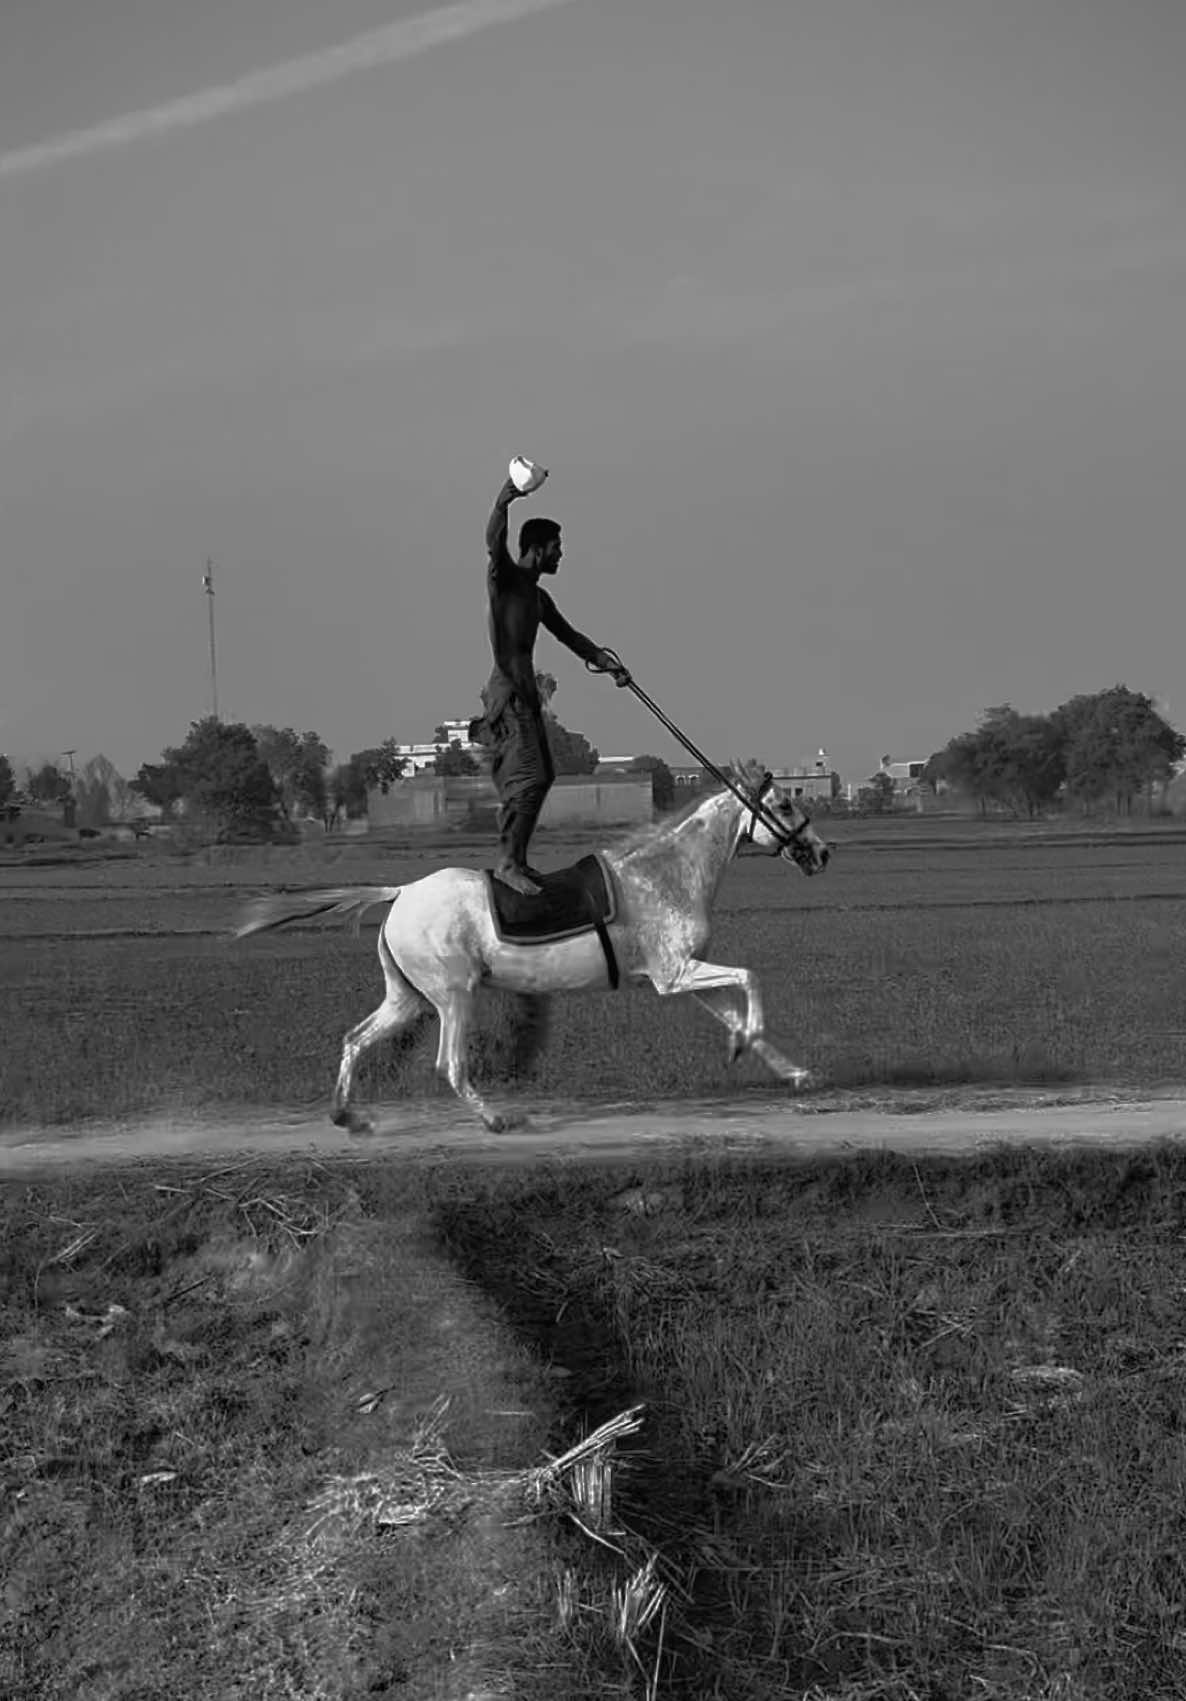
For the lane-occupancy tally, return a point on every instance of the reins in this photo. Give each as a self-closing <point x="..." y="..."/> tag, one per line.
<point x="753" y="801"/>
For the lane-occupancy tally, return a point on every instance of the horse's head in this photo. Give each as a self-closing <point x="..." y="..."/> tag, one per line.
<point x="778" y="824"/>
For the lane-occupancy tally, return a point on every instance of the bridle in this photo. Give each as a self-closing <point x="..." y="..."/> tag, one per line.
<point x="786" y="838"/>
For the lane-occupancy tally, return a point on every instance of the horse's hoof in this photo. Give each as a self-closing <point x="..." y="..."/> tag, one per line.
<point x="353" y="1122"/>
<point x="501" y="1122"/>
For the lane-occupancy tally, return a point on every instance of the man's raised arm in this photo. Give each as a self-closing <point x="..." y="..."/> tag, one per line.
<point x="496" y="526"/>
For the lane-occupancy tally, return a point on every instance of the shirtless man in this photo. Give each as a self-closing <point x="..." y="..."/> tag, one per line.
<point x="513" y="724"/>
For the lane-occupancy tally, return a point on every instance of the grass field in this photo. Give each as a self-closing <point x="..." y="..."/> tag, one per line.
<point x="931" y="952"/>
<point x="259" y="1440"/>
<point x="911" y="1429"/>
<point x="916" y="1427"/>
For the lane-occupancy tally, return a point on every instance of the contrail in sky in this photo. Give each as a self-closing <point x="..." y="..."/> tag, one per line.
<point x="384" y="46"/>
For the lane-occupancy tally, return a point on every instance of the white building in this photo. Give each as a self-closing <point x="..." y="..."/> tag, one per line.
<point x="907" y="776"/>
<point x="422" y="757"/>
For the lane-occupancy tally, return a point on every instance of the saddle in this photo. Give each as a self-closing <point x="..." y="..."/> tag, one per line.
<point x="574" y="900"/>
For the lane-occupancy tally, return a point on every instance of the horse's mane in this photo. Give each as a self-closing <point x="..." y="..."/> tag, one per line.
<point x="639" y="837"/>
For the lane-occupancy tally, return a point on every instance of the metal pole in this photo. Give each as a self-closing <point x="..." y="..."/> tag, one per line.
<point x="744" y="796"/>
<point x="208" y="587"/>
<point x="69" y="803"/>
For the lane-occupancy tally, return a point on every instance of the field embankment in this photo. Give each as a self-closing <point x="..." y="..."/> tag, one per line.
<point x="260" y="1439"/>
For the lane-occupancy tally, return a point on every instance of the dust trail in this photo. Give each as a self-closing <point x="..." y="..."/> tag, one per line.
<point x="384" y="46"/>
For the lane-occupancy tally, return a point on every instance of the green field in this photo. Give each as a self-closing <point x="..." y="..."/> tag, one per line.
<point x="932" y="952"/>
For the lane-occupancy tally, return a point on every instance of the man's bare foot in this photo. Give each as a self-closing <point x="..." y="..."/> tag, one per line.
<point x="517" y="879"/>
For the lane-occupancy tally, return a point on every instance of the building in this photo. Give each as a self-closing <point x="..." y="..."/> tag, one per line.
<point x="907" y="776"/>
<point x="813" y="780"/>
<point x="421" y="758"/>
<point x="469" y="803"/>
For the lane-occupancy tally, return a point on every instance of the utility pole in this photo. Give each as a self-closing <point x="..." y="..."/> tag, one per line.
<point x="69" y="803"/>
<point x="208" y="587"/>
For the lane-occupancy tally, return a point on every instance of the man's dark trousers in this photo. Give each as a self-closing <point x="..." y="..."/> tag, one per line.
<point x="522" y="772"/>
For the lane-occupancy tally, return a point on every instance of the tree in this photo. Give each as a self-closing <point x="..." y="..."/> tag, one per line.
<point x="1037" y="766"/>
<point x="367" y="770"/>
<point x="7" y="780"/>
<point x="347" y="794"/>
<point x="877" y="797"/>
<point x="662" y="780"/>
<point x="571" y="751"/>
<point x="100" y="793"/>
<point x="380" y="766"/>
<point x="1103" y="748"/>
<point x="160" y="784"/>
<point x="223" y="780"/>
<point x="1117" y="745"/>
<point x="1012" y="760"/>
<point x="451" y="759"/>
<point x="297" y="763"/>
<point x="47" y="784"/>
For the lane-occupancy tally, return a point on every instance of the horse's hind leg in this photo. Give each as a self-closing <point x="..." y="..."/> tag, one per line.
<point x="401" y="1005"/>
<point x="455" y="1009"/>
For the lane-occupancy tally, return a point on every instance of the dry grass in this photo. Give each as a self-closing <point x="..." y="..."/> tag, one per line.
<point x="859" y="1428"/>
<point x="256" y="1433"/>
<point x="914" y="1430"/>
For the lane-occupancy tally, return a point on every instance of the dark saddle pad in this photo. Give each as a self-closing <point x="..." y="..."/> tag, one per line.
<point x="572" y="900"/>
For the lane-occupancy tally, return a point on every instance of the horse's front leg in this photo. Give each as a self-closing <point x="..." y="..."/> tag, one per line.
<point x="711" y="984"/>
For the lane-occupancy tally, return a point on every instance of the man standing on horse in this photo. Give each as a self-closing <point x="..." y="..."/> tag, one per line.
<point x="513" y="724"/>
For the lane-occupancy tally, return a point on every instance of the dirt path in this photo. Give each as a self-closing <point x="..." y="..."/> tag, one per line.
<point x="932" y="1122"/>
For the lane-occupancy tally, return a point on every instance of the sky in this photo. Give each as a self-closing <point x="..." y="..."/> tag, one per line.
<point x="851" y="330"/>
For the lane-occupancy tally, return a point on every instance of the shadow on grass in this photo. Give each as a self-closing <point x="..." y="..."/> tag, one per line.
<point x="258" y="1438"/>
<point x="1028" y="1066"/>
<point x="914" y="1427"/>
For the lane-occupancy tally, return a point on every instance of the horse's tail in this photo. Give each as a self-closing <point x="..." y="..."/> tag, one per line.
<point x="280" y="908"/>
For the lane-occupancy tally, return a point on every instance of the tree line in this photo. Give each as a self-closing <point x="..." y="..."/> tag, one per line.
<point x="238" y="781"/>
<point x="1105" y="751"/>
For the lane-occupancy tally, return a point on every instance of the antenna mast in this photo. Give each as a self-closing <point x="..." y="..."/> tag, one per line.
<point x="208" y="587"/>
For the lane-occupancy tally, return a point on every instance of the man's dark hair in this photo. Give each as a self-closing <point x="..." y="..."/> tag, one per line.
<point x="537" y="533"/>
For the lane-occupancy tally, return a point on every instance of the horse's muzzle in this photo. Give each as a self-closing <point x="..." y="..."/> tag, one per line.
<point x="808" y="859"/>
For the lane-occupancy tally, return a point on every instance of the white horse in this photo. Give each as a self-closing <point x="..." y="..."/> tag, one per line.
<point x="439" y="943"/>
